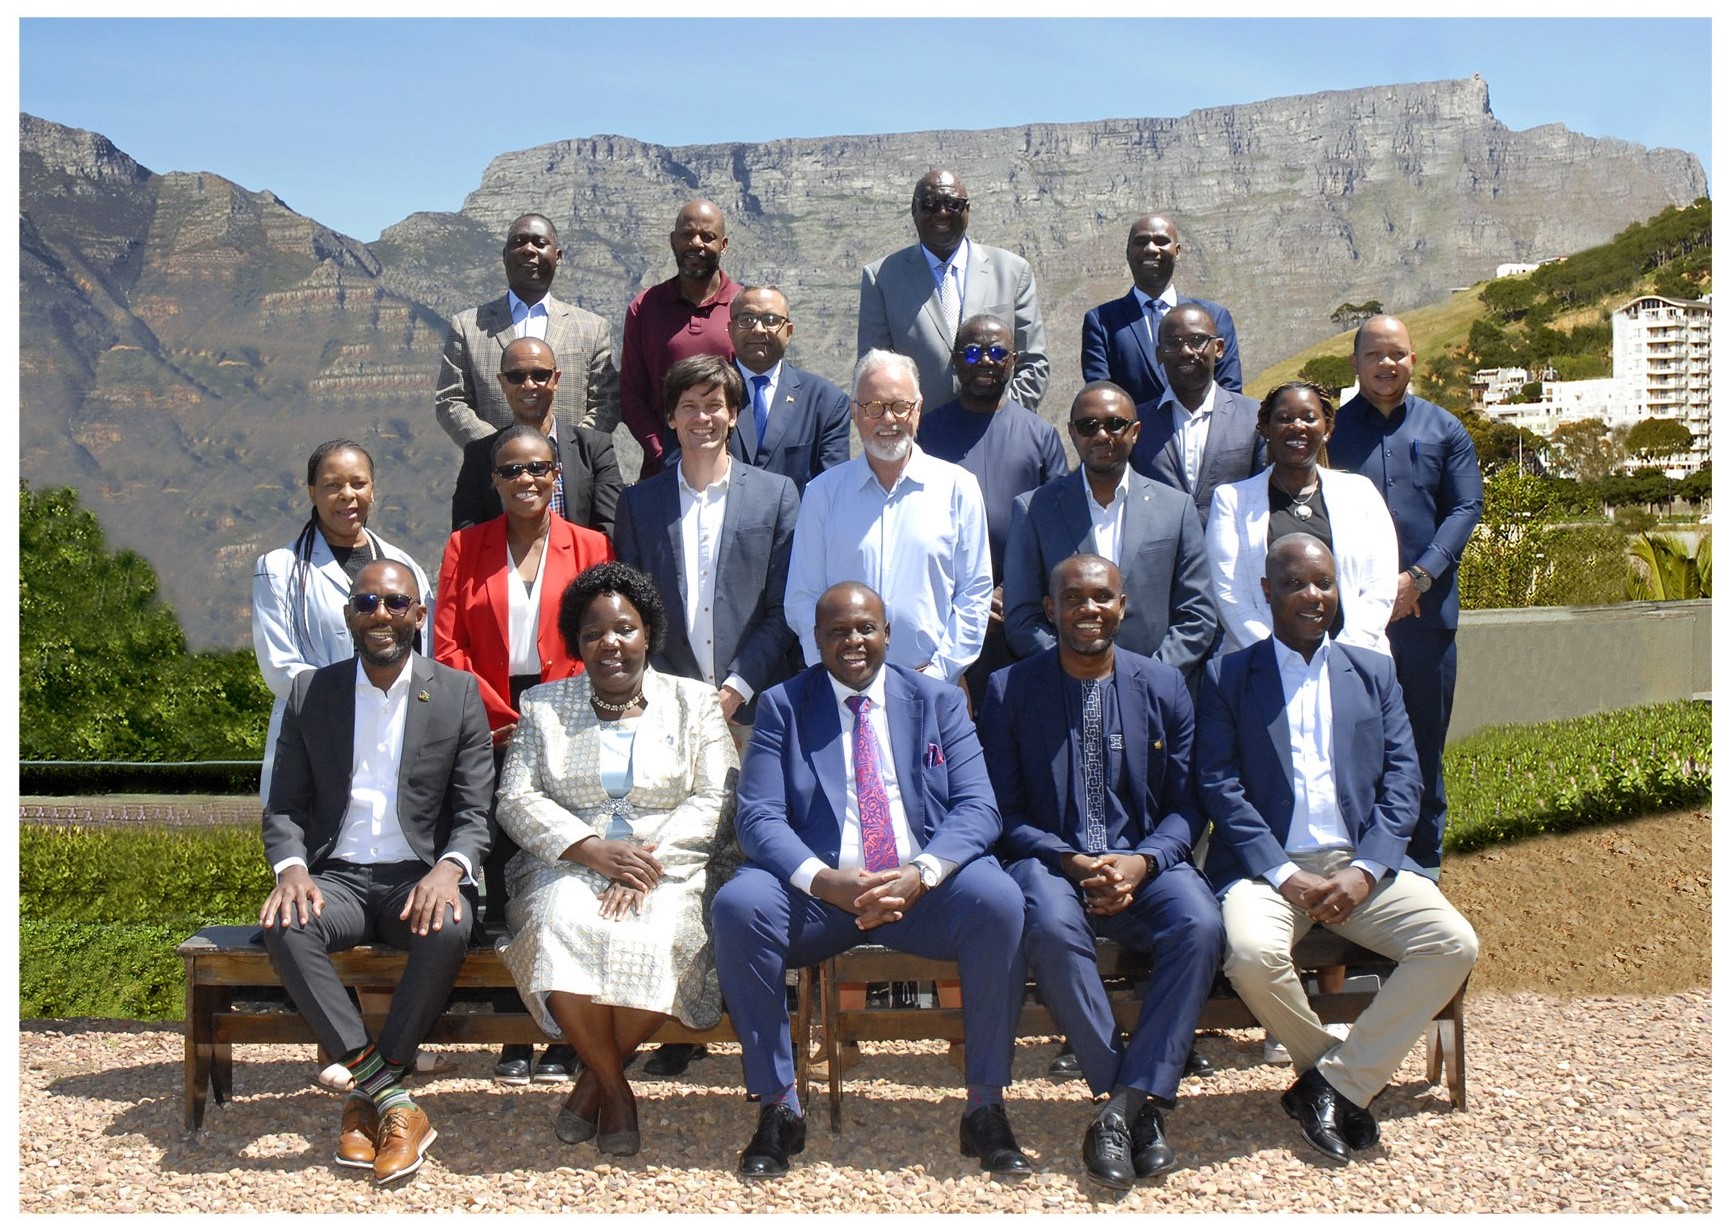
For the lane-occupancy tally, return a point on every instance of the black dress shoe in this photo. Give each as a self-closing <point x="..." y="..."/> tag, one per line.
<point x="986" y="1136"/>
<point x="670" y="1061"/>
<point x="1065" y="1065"/>
<point x="781" y="1133"/>
<point x="513" y="1065"/>
<point x="557" y="1064"/>
<point x="1107" y="1152"/>
<point x="1198" y="1065"/>
<point x="1315" y="1106"/>
<point x="1150" y="1155"/>
<point x="1358" y="1126"/>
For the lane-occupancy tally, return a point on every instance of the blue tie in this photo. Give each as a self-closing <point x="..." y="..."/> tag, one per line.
<point x="760" y="407"/>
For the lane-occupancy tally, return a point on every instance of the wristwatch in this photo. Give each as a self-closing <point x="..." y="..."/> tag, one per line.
<point x="928" y="874"/>
<point x="1149" y="864"/>
<point x="1421" y="578"/>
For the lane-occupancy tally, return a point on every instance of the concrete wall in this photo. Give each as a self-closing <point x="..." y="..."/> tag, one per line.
<point x="1525" y="666"/>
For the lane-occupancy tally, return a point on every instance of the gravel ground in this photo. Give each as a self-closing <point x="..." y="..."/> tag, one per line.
<point x="1590" y="1104"/>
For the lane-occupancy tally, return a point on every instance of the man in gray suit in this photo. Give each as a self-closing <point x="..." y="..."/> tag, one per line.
<point x="468" y="402"/>
<point x="1149" y="531"/>
<point x="376" y="822"/>
<point x="913" y="301"/>
<point x="1197" y="435"/>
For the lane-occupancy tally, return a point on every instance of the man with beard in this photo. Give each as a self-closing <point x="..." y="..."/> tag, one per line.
<point x="909" y="525"/>
<point x="376" y="823"/>
<point x="681" y="317"/>
<point x="470" y="403"/>
<point x="914" y="301"/>
<point x="794" y="423"/>
<point x="1008" y="448"/>
<point x="1119" y="337"/>
<point x="1089" y="750"/>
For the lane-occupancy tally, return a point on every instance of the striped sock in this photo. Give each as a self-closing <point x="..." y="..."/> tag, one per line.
<point x="787" y="1096"/>
<point x="378" y="1078"/>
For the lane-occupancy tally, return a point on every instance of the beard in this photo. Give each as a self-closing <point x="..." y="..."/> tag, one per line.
<point x="401" y="640"/>
<point x="888" y="450"/>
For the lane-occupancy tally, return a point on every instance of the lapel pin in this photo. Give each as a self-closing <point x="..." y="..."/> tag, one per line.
<point x="423" y="697"/>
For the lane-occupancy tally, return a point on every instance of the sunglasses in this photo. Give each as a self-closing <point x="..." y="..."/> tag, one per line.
<point x="535" y="469"/>
<point x="539" y="374"/>
<point x="972" y="354"/>
<point x="1088" y="428"/>
<point x="944" y="204"/>
<point x="368" y="603"/>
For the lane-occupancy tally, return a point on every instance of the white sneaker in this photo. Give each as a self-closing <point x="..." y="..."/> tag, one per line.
<point x="1275" y="1053"/>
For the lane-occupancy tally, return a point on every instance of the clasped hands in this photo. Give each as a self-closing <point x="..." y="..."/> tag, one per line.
<point x="631" y="870"/>
<point x="877" y="898"/>
<point x="1331" y="900"/>
<point x="1109" y="881"/>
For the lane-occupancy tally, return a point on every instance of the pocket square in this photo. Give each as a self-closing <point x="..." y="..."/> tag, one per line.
<point x="934" y="756"/>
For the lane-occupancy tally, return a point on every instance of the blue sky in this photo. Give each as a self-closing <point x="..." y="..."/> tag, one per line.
<point x="358" y="123"/>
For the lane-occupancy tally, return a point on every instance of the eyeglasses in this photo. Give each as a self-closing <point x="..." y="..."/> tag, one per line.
<point x="368" y="603"/>
<point x="1195" y="342"/>
<point x="896" y="409"/>
<point x="1088" y="428"/>
<point x="944" y="204"/>
<point x="535" y="469"/>
<point x="748" y="320"/>
<point x="972" y="354"/>
<point x="539" y="374"/>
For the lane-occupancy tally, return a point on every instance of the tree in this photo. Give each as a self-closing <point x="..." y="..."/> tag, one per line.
<point x="1510" y="297"/>
<point x="1586" y="449"/>
<point x="1503" y="558"/>
<point x="1655" y="437"/>
<point x="1662" y="569"/>
<point x="1331" y="371"/>
<point x="1352" y="315"/>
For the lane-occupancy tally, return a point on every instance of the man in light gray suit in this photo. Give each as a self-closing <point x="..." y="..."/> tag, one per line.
<point x="914" y="300"/>
<point x="1197" y="435"/>
<point x="1149" y="531"/>
<point x="468" y="402"/>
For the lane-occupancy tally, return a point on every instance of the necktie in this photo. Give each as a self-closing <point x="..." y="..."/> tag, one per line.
<point x="760" y="406"/>
<point x="950" y="302"/>
<point x="1094" y="770"/>
<point x="1157" y="311"/>
<point x="877" y="840"/>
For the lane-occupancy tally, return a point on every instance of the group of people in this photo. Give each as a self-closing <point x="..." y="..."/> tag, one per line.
<point x="772" y="700"/>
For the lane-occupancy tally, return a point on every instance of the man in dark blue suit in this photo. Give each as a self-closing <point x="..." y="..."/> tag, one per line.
<point x="1299" y="709"/>
<point x="865" y="814"/>
<point x="1118" y="337"/>
<point x="793" y="423"/>
<point x="1198" y="435"/>
<point x="1089" y="751"/>
<point x="1420" y="458"/>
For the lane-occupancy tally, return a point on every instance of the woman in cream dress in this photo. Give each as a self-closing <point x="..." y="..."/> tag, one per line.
<point x="618" y="787"/>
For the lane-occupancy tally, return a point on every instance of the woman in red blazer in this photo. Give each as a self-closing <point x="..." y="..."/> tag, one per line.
<point x="497" y="616"/>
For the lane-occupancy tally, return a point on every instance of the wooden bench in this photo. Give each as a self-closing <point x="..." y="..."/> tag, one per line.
<point x="1320" y="948"/>
<point x="225" y="962"/>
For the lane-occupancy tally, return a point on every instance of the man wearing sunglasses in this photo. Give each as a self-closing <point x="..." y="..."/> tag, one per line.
<point x="914" y="301"/>
<point x="589" y="481"/>
<point x="794" y="423"/>
<point x="468" y="402"/>
<point x="1150" y="532"/>
<point x="375" y="826"/>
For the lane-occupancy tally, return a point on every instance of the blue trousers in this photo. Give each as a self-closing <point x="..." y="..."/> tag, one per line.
<point x="1176" y="919"/>
<point x="763" y="927"/>
<point x="1425" y="667"/>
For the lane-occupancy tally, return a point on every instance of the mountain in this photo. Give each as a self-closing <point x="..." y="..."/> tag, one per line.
<point x="186" y="342"/>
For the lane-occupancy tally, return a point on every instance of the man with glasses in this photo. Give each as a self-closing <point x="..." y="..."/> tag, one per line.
<point x="911" y="526"/>
<point x="589" y="482"/>
<point x="914" y="301"/>
<point x="468" y="403"/>
<point x="794" y="423"/>
<point x="1007" y="447"/>
<point x="375" y="826"/>
<point x="1198" y="435"/>
<point x="1118" y="338"/>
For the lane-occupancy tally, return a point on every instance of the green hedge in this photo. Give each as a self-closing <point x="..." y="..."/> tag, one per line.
<point x="100" y="970"/>
<point x="1512" y="781"/>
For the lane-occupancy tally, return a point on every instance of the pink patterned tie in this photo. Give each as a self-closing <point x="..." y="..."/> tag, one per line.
<point x="877" y="840"/>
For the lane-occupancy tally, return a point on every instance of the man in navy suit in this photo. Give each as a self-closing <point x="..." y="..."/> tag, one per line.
<point x="1118" y="337"/>
<point x="1198" y="435"/>
<point x="1089" y="751"/>
<point x="1298" y="709"/>
<point x="866" y="815"/>
<point x="795" y="423"/>
<point x="1149" y="531"/>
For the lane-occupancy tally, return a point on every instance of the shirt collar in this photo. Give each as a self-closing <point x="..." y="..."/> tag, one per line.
<point x="958" y="258"/>
<point x="715" y="488"/>
<point x="1208" y="405"/>
<point x="914" y="471"/>
<point x="1169" y="296"/>
<point x="774" y="374"/>
<point x="1291" y="662"/>
<point x="874" y="689"/>
<point x="364" y="683"/>
<point x="520" y="309"/>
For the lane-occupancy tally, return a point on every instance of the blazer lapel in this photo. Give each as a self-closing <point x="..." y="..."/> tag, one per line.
<point x="821" y="731"/>
<point x="781" y="411"/>
<point x="559" y="329"/>
<point x="1344" y="690"/>
<point x="1073" y="502"/>
<point x="499" y="579"/>
<point x="494" y="320"/>
<point x="1140" y="330"/>
<point x="670" y="516"/>
<point x="1271" y="699"/>
<point x="905" y="715"/>
<point x="414" y="730"/>
<point x="560" y="560"/>
<point x="727" y="539"/>
<point x="1139" y="518"/>
<point x="1135" y="703"/>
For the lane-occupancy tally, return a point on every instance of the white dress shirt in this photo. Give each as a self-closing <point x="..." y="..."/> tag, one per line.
<point x="528" y="321"/>
<point x="1109" y="521"/>
<point x="523" y="616"/>
<point x="748" y="423"/>
<point x="956" y="269"/>
<point x="1191" y="429"/>
<point x="1168" y="299"/>
<point x="849" y="855"/>
<point x="701" y="513"/>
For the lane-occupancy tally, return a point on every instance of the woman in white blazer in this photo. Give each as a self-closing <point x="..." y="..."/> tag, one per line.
<point x="299" y="591"/>
<point x="1297" y="494"/>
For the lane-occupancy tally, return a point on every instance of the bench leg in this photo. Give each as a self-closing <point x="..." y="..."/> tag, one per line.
<point x="832" y="1045"/>
<point x="202" y="1002"/>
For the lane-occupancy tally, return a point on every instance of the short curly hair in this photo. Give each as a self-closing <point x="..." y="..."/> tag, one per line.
<point x="619" y="578"/>
<point x="1267" y="408"/>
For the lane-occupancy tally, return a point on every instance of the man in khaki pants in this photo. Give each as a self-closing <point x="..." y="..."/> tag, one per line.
<point x="1306" y="767"/>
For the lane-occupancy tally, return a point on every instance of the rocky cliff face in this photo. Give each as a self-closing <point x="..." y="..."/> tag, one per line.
<point x="185" y="343"/>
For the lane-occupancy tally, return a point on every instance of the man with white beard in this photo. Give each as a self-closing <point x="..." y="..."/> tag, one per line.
<point x="907" y="524"/>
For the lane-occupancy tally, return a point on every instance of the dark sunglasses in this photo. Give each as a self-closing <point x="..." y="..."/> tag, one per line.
<point x="944" y="204"/>
<point x="535" y="469"/>
<point x="1089" y="427"/>
<point x="972" y="354"/>
<point x="368" y="603"/>
<point x="539" y="374"/>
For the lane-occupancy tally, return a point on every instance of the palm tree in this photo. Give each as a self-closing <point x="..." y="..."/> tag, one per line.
<point x="1662" y="569"/>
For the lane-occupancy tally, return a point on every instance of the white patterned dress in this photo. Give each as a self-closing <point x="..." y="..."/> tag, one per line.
<point x="682" y="801"/>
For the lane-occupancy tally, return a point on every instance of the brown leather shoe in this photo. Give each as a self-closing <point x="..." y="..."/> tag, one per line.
<point x="360" y="1136"/>
<point x="404" y="1136"/>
